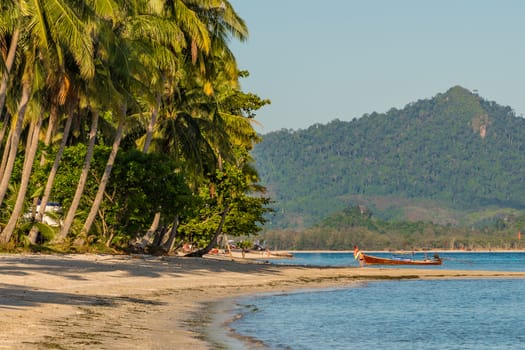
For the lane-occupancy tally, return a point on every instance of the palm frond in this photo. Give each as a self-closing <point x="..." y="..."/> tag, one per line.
<point x="190" y="23"/>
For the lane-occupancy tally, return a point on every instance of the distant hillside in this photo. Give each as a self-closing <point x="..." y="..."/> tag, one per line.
<point x="435" y="160"/>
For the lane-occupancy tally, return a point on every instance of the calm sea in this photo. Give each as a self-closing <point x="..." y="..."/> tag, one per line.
<point x="444" y="314"/>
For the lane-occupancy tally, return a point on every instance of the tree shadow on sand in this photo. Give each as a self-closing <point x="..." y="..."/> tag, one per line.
<point x="72" y="267"/>
<point x="78" y="268"/>
<point x="16" y="297"/>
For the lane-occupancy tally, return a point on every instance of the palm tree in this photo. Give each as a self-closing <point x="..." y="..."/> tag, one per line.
<point x="182" y="127"/>
<point x="120" y="67"/>
<point x="144" y="57"/>
<point x="144" y="40"/>
<point x="68" y="220"/>
<point x="164" y="55"/>
<point x="107" y="172"/>
<point x="52" y="30"/>
<point x="32" y="145"/>
<point x="27" y="81"/>
<point x="8" y="66"/>
<point x="9" y="23"/>
<point x="103" y="10"/>
<point x="50" y="180"/>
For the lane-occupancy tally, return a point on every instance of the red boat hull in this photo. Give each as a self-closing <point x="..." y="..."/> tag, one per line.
<point x="374" y="260"/>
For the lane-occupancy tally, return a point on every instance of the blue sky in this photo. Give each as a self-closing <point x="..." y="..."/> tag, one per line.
<point x="321" y="60"/>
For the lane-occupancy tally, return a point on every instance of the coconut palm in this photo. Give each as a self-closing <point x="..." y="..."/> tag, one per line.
<point x="31" y="148"/>
<point x="123" y="66"/>
<point x="164" y="50"/>
<point x="52" y="30"/>
<point x="66" y="93"/>
<point x="8" y="66"/>
<point x="168" y="58"/>
<point x="16" y="131"/>
<point x="9" y="37"/>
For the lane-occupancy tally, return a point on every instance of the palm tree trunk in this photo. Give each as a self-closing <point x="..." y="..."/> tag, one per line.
<point x="49" y="134"/>
<point x="15" y="137"/>
<point x="107" y="172"/>
<point x="213" y="242"/>
<point x="151" y="125"/>
<point x="4" y="128"/>
<point x="9" y="64"/>
<point x="170" y="243"/>
<point x="53" y="118"/>
<point x="6" y="234"/>
<point x="148" y="237"/>
<point x="68" y="221"/>
<point x="51" y="179"/>
<point x="6" y="152"/>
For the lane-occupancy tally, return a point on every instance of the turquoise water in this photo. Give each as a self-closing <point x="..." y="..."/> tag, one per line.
<point x="501" y="261"/>
<point x="443" y="314"/>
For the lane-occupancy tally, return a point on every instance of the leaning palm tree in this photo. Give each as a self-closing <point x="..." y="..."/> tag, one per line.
<point x="27" y="82"/>
<point x="9" y="39"/>
<point x="31" y="148"/>
<point x="51" y="29"/>
<point x="8" y="67"/>
<point x="169" y="30"/>
<point x="81" y="91"/>
<point x="33" y="234"/>
<point x="121" y="66"/>
<point x="58" y="94"/>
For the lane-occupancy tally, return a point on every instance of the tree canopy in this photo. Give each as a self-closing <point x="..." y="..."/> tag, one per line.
<point x="455" y="152"/>
<point x="129" y="115"/>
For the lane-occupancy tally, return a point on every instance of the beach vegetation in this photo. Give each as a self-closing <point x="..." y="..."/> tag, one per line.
<point x="132" y="118"/>
<point x="358" y="226"/>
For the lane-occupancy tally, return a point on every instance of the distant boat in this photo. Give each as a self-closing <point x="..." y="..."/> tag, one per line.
<point x="374" y="260"/>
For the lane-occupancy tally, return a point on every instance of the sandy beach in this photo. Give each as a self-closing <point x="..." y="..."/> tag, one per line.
<point x="146" y="302"/>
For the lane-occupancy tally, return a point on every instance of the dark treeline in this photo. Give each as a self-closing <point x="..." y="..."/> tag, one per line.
<point x="357" y="225"/>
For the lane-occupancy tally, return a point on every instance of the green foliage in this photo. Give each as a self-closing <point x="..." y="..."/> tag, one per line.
<point x="245" y="244"/>
<point x="352" y="226"/>
<point x="228" y="189"/>
<point x="140" y="185"/>
<point x="457" y="151"/>
<point x="158" y="79"/>
<point x="47" y="232"/>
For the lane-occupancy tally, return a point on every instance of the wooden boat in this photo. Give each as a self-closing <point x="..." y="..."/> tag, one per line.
<point x="375" y="260"/>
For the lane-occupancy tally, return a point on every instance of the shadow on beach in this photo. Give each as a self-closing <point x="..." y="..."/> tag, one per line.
<point x="14" y="296"/>
<point x="79" y="269"/>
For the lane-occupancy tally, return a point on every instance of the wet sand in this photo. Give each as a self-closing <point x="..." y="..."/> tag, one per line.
<point x="144" y="302"/>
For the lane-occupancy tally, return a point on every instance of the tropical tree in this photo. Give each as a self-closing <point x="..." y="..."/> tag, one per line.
<point x="9" y="60"/>
<point x="31" y="148"/>
<point x="229" y="205"/>
<point x="113" y="63"/>
<point x="182" y="120"/>
<point x="51" y="29"/>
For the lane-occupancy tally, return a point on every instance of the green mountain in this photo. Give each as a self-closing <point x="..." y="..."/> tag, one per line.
<point x="455" y="158"/>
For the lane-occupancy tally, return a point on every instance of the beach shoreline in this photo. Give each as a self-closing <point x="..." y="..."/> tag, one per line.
<point x="146" y="302"/>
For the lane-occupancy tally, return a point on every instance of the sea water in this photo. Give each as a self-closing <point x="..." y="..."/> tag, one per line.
<point x="416" y="314"/>
<point x="489" y="261"/>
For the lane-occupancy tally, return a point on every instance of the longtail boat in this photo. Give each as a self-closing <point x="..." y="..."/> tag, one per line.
<point x="375" y="260"/>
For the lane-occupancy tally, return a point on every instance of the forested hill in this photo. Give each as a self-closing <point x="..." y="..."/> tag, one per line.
<point x="456" y="149"/>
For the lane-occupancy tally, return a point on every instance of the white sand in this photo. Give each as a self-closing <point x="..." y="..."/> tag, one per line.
<point x="142" y="302"/>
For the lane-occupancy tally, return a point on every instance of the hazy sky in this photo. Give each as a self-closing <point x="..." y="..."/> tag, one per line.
<point x="321" y="60"/>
